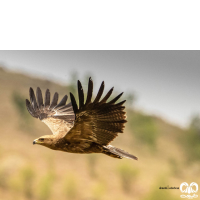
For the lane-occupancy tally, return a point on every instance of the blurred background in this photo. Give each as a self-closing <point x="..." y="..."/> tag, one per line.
<point x="163" y="129"/>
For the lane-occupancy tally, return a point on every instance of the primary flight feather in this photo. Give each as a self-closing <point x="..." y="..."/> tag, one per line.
<point x="87" y="128"/>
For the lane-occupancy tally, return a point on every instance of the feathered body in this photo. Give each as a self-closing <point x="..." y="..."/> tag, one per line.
<point x="88" y="128"/>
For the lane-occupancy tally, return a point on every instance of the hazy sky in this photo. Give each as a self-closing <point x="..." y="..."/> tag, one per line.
<point x="166" y="83"/>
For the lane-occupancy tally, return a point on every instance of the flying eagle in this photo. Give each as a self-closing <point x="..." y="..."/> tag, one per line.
<point x="88" y="128"/>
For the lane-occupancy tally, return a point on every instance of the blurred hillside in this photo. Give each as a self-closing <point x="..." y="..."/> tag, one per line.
<point x="168" y="155"/>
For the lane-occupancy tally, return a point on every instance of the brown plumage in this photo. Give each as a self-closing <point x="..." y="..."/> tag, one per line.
<point x="88" y="128"/>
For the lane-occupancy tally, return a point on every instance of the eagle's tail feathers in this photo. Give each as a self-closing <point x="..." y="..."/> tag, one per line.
<point x="118" y="153"/>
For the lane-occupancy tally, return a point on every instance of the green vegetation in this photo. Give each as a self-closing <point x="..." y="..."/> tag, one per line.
<point x="98" y="190"/>
<point x="174" y="167"/>
<point x="3" y="179"/>
<point x="130" y="99"/>
<point x="191" y="139"/>
<point x="128" y="176"/>
<point x="143" y="128"/>
<point x="45" y="186"/>
<point x="19" y="102"/>
<point x="70" y="187"/>
<point x="92" y="161"/>
<point x="164" y="194"/>
<point x="25" y="118"/>
<point x="27" y="178"/>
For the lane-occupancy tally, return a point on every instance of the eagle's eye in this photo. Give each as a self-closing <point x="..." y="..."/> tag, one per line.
<point x="41" y="139"/>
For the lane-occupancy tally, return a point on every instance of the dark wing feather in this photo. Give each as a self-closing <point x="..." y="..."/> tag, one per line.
<point x="59" y="117"/>
<point x="115" y="99"/>
<point x="39" y="98"/>
<point x="107" y="96"/>
<point x="74" y="104"/>
<point x="30" y="109"/>
<point x="62" y="102"/>
<point x="96" y="121"/>
<point x="101" y="89"/>
<point x="90" y="90"/>
<point x="80" y="95"/>
<point x="65" y="107"/>
<point x="33" y="100"/>
<point x="54" y="101"/>
<point x="47" y="98"/>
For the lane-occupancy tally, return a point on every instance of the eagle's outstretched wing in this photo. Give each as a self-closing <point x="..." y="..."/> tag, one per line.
<point x="58" y="117"/>
<point x="96" y="121"/>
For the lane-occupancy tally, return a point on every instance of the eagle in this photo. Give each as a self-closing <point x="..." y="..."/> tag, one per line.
<point x="87" y="128"/>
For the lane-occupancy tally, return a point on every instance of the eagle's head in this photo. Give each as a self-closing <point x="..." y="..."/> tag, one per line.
<point x="46" y="140"/>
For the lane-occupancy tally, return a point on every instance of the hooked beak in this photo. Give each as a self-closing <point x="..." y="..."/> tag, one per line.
<point x="35" y="141"/>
